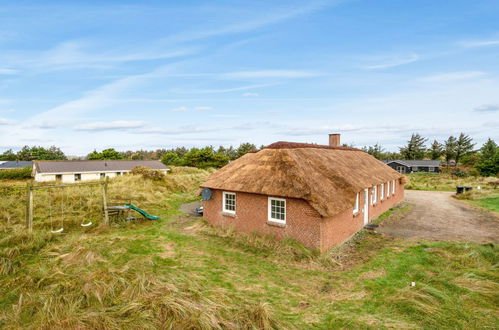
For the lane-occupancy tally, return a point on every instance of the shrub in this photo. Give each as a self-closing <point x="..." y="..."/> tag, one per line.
<point x="148" y="173"/>
<point x="16" y="174"/>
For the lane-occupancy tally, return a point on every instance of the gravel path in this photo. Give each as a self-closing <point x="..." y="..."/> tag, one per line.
<point x="438" y="216"/>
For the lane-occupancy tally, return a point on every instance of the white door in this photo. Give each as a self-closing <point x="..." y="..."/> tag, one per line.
<point x="366" y="206"/>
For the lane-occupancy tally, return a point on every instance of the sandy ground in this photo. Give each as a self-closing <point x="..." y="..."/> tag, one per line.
<point x="437" y="216"/>
<point x="190" y="208"/>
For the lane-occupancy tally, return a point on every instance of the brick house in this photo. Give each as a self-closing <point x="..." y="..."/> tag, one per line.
<point x="317" y="195"/>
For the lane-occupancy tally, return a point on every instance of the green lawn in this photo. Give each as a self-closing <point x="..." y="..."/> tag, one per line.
<point x="179" y="272"/>
<point x="489" y="203"/>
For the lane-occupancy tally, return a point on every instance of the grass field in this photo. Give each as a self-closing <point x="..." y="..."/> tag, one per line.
<point x="446" y="181"/>
<point x="181" y="273"/>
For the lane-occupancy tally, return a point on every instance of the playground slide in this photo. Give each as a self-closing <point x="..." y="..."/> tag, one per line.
<point x="144" y="213"/>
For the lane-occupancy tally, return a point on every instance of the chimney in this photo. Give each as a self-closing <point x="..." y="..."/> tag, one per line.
<point x="334" y="140"/>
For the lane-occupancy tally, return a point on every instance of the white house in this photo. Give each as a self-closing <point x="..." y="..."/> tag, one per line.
<point x="69" y="171"/>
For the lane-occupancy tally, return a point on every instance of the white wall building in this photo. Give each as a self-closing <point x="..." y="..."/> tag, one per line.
<point x="89" y="170"/>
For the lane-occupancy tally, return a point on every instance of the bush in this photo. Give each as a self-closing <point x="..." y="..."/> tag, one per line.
<point x="16" y="174"/>
<point x="148" y="173"/>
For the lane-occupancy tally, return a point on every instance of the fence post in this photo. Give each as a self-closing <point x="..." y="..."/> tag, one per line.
<point x="104" y="201"/>
<point x="29" y="206"/>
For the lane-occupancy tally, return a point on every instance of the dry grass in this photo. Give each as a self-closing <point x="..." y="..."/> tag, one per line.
<point x="172" y="274"/>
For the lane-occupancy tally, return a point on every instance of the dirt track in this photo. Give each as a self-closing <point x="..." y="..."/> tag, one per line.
<point x="438" y="216"/>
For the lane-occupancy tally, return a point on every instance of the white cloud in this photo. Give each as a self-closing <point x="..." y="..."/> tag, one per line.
<point x="218" y="91"/>
<point x="248" y="94"/>
<point x="263" y="19"/>
<point x="180" y="109"/>
<point x="4" y="121"/>
<point x="487" y="108"/>
<point x="454" y="76"/>
<point x="479" y="43"/>
<point x="203" y="108"/>
<point x="271" y="74"/>
<point x="393" y="61"/>
<point x="111" y="125"/>
<point x="76" y="55"/>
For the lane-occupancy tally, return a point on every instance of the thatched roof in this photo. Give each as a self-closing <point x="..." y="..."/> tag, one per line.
<point x="327" y="177"/>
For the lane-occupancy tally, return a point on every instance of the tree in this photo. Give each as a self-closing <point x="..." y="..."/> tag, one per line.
<point x="464" y="145"/>
<point x="488" y="164"/>
<point x="436" y="150"/>
<point x="415" y="148"/>
<point x="376" y="151"/>
<point x="244" y="148"/>
<point x="8" y="155"/>
<point x="489" y="149"/>
<point x="171" y="158"/>
<point x="40" y="153"/>
<point x="106" y="154"/>
<point x="450" y="149"/>
<point x="205" y="158"/>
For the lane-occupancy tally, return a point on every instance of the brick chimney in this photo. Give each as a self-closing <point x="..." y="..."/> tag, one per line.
<point x="334" y="140"/>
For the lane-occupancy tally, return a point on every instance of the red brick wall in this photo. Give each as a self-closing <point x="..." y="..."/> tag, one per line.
<point x="337" y="229"/>
<point x="303" y="223"/>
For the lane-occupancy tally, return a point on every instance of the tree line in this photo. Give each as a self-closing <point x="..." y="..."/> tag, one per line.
<point x="454" y="150"/>
<point x="197" y="157"/>
<point x="460" y="149"/>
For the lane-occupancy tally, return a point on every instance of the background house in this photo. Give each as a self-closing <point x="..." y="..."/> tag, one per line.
<point x="87" y="170"/>
<point x="410" y="166"/>
<point x="318" y="195"/>
<point x="9" y="165"/>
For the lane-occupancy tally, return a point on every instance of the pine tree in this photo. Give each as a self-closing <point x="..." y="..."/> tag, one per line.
<point x="436" y="150"/>
<point x="464" y="145"/>
<point x="415" y="148"/>
<point x="489" y="149"/>
<point x="450" y="149"/>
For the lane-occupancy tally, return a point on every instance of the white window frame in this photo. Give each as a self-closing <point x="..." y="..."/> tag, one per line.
<point x="393" y="187"/>
<point x="388" y="189"/>
<point x="382" y="192"/>
<point x="431" y="169"/>
<point x="270" y="219"/>
<point x="224" y="206"/>
<point x="356" y="205"/>
<point x="374" y="195"/>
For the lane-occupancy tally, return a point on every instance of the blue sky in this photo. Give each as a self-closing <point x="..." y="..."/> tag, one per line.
<point x="86" y="75"/>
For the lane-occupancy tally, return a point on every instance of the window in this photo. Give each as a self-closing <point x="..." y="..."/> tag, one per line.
<point x="356" y="205"/>
<point x="58" y="177"/>
<point x="229" y="202"/>
<point x="401" y="169"/>
<point x="277" y="210"/>
<point x="414" y="168"/>
<point x="431" y="169"/>
<point x="78" y="177"/>
<point x="103" y="175"/>
<point x="388" y="189"/>
<point x="393" y="187"/>
<point x="374" y="195"/>
<point x="382" y="191"/>
<point x="118" y="173"/>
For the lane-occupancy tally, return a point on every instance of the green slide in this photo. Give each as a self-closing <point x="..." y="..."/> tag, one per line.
<point x="144" y="213"/>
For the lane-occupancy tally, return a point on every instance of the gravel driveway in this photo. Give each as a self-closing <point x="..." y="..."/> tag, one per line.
<point x="437" y="216"/>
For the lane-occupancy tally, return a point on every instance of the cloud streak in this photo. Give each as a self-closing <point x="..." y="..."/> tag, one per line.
<point x="479" y="43"/>
<point x="290" y="74"/>
<point x="393" y="62"/>
<point x="487" y="108"/>
<point x="111" y="126"/>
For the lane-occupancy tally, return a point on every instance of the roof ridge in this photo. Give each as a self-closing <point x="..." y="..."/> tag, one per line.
<point x="301" y="145"/>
